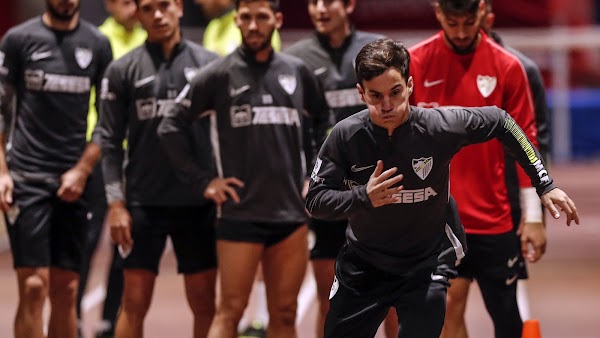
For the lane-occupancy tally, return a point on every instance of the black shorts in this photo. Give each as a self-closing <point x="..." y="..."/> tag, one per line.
<point x="493" y="260"/>
<point x="330" y="237"/>
<point x="522" y="270"/>
<point x="255" y="232"/>
<point x="47" y="232"/>
<point x="361" y="296"/>
<point x="493" y="257"/>
<point x="191" y="230"/>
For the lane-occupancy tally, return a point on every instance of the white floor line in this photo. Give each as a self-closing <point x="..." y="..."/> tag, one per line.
<point x="93" y="298"/>
<point x="523" y="300"/>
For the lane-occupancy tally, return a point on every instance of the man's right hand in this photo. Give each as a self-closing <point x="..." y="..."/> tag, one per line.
<point x="219" y="188"/>
<point x="379" y="187"/>
<point x="119" y="221"/>
<point x="6" y="191"/>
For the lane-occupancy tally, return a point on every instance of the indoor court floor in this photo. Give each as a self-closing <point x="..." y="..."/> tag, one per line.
<point x="563" y="291"/>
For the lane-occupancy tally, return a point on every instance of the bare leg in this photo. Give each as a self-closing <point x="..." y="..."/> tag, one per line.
<point x="238" y="262"/>
<point x="284" y="266"/>
<point x="454" y="324"/>
<point x="63" y="300"/>
<point x="200" y="294"/>
<point x="33" y="290"/>
<point x="137" y="296"/>
<point x="390" y="324"/>
<point x="324" y="273"/>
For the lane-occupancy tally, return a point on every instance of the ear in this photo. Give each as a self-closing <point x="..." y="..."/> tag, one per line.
<point x="488" y="21"/>
<point x="179" y="4"/>
<point x="278" y="20"/>
<point x="481" y="8"/>
<point x="361" y="92"/>
<point x="350" y="7"/>
<point x="410" y="85"/>
<point x="439" y="15"/>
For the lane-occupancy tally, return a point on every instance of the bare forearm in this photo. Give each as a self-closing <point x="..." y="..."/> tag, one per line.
<point x="90" y="156"/>
<point x="3" y="166"/>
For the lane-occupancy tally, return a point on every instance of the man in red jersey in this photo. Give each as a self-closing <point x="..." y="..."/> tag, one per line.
<point x="462" y="66"/>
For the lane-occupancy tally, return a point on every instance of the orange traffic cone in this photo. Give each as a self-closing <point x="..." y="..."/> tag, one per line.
<point x="531" y="329"/>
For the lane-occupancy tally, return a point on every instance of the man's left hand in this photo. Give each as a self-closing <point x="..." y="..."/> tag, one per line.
<point x="533" y="240"/>
<point x="72" y="184"/>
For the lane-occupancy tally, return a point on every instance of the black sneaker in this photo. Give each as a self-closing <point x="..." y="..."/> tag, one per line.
<point x="254" y="330"/>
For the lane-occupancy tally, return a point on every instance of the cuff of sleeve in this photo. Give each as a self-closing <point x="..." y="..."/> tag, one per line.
<point x="96" y="138"/>
<point x="114" y="192"/>
<point x="364" y="197"/>
<point x="200" y="185"/>
<point x="542" y="190"/>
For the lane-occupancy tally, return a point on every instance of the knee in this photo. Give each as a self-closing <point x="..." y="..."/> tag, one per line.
<point x="136" y="302"/>
<point x="202" y="305"/>
<point x="63" y="292"/>
<point x="283" y="314"/>
<point x="35" y="290"/>
<point x="232" y="307"/>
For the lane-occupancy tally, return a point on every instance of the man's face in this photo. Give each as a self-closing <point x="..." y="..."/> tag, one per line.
<point x="329" y="16"/>
<point x="257" y="22"/>
<point x="461" y="30"/>
<point x="386" y="97"/>
<point x="62" y="10"/>
<point x="160" y="18"/>
<point x="123" y="11"/>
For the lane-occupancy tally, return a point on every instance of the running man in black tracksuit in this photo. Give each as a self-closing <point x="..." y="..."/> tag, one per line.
<point x="47" y="67"/>
<point x="400" y="251"/>
<point x="257" y="102"/>
<point x="146" y="200"/>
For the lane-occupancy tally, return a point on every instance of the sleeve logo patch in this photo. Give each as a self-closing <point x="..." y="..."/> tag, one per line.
<point x="314" y="176"/>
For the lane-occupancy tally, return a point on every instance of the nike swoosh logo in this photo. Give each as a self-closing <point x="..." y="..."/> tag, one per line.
<point x="428" y="84"/>
<point x="512" y="261"/>
<point x="436" y="277"/>
<point x="144" y="81"/>
<point x="37" y="56"/>
<point x="356" y="169"/>
<point x="511" y="280"/>
<point x="236" y="92"/>
<point x="320" y="71"/>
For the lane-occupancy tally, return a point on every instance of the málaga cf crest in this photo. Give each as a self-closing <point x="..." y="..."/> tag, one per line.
<point x="288" y="83"/>
<point x="422" y="166"/>
<point x="486" y="85"/>
<point x="83" y="56"/>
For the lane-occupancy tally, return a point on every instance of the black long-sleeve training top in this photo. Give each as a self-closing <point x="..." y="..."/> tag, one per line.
<point x="398" y="237"/>
<point x="334" y="67"/>
<point x="256" y="113"/>
<point x="137" y="92"/>
<point x="45" y="81"/>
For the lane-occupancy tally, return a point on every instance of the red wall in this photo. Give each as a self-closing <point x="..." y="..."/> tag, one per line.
<point x="8" y="14"/>
<point x="418" y="14"/>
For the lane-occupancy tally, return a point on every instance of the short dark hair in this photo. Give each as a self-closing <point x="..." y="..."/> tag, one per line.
<point x="380" y="55"/>
<point x="459" y="7"/>
<point x="273" y="3"/>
